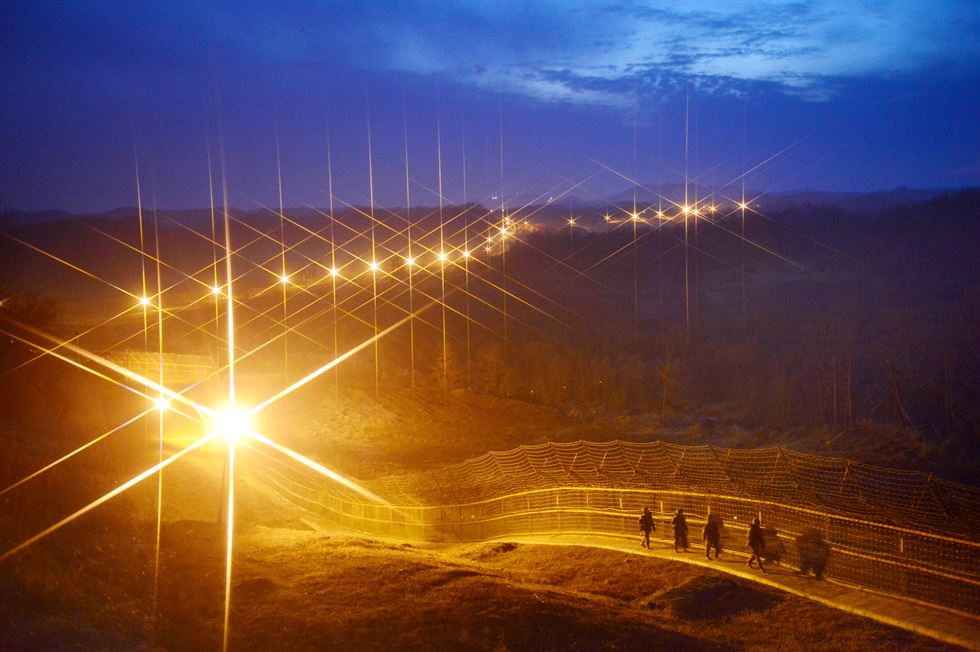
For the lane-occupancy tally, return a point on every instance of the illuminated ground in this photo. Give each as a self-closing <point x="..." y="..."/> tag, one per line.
<point x="299" y="589"/>
<point x="88" y="587"/>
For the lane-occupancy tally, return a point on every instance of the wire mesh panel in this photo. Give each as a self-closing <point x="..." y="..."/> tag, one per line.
<point x="897" y="532"/>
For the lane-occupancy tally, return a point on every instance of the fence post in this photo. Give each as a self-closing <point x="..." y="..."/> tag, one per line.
<point x="903" y="572"/>
<point x="588" y="510"/>
<point x="622" y="519"/>
<point x="775" y="466"/>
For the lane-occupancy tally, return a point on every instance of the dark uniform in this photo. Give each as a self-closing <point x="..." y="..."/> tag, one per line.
<point x="712" y="536"/>
<point x="814" y="552"/>
<point x="646" y="527"/>
<point x="773" y="548"/>
<point x="680" y="530"/>
<point x="757" y="543"/>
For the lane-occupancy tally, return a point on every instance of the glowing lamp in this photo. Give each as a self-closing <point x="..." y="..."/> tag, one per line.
<point x="443" y="256"/>
<point x="161" y="403"/>
<point x="284" y="279"/>
<point x="635" y="216"/>
<point x="743" y="205"/>
<point x="375" y="266"/>
<point x="466" y="253"/>
<point x="334" y="271"/>
<point x="409" y="261"/>
<point x="686" y="209"/>
<point x="233" y="424"/>
<point x="216" y="290"/>
<point x="144" y="301"/>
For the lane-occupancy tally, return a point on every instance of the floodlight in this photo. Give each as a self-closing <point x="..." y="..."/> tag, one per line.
<point x="233" y="424"/>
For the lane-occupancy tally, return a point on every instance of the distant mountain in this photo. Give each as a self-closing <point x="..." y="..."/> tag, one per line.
<point x="856" y="202"/>
<point x="651" y="194"/>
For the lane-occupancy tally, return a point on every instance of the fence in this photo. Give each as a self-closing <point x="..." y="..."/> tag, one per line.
<point x="897" y="532"/>
<point x="176" y="367"/>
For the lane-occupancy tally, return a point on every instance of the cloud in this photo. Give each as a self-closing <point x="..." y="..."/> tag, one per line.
<point x="601" y="52"/>
<point x="604" y="52"/>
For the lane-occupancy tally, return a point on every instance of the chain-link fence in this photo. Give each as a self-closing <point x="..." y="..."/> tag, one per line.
<point x="898" y="532"/>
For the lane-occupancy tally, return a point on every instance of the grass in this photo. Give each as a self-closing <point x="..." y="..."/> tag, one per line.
<point x="90" y="585"/>
<point x="298" y="589"/>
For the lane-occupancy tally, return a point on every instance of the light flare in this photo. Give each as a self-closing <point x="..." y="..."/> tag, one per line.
<point x="233" y="424"/>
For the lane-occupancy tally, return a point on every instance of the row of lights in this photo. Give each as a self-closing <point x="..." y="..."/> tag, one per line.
<point x="685" y="209"/>
<point x="373" y="267"/>
<point x="443" y="257"/>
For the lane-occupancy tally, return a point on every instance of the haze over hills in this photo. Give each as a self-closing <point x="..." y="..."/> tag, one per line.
<point x="851" y="201"/>
<point x="649" y="194"/>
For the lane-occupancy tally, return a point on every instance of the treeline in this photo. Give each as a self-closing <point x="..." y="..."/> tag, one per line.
<point x="817" y="318"/>
<point x="847" y="319"/>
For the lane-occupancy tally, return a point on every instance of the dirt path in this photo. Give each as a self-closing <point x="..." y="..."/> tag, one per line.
<point x="940" y="624"/>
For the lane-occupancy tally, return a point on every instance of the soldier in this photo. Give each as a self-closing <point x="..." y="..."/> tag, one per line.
<point x="814" y="553"/>
<point x="680" y="530"/>
<point x="757" y="543"/>
<point x="774" y="548"/>
<point x="712" y="536"/>
<point x="646" y="527"/>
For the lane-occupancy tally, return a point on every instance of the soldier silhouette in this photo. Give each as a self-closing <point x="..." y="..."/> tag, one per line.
<point x="757" y="543"/>
<point x="646" y="527"/>
<point x="712" y="536"/>
<point x="680" y="530"/>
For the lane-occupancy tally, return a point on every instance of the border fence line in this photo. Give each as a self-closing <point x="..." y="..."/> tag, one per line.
<point x="922" y="544"/>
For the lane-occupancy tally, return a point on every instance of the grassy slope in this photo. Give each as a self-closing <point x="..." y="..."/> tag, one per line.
<point x="297" y="589"/>
<point x="89" y="586"/>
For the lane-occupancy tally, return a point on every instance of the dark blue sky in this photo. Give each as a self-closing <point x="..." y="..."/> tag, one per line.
<point x="866" y="95"/>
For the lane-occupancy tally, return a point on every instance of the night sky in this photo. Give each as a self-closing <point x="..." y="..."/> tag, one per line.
<point x="855" y="96"/>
